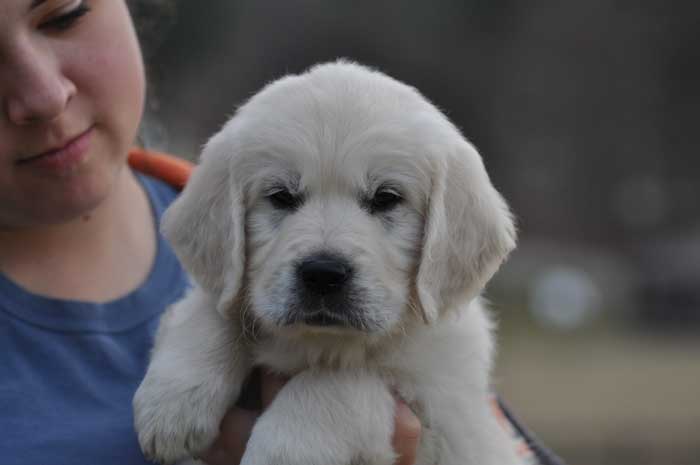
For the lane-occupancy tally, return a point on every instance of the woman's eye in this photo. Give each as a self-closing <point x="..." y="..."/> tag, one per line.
<point x="66" y="20"/>
<point x="284" y="200"/>
<point x="384" y="200"/>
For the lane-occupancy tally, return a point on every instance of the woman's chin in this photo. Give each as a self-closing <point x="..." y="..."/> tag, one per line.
<point x="56" y="203"/>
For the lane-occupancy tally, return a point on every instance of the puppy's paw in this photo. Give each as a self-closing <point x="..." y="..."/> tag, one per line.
<point x="173" y="425"/>
<point x="284" y="449"/>
<point x="325" y="419"/>
<point x="271" y="445"/>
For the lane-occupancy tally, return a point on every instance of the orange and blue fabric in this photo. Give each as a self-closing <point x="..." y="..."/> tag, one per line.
<point x="168" y="168"/>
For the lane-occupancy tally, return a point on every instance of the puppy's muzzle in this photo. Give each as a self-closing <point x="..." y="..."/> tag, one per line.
<point x="324" y="281"/>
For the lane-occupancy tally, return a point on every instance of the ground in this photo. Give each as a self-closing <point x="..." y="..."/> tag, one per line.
<point x="608" y="394"/>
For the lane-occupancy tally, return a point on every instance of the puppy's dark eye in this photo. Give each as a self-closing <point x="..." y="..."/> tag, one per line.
<point x="384" y="200"/>
<point x="282" y="199"/>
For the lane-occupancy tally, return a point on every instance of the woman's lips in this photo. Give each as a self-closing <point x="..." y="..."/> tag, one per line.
<point x="61" y="160"/>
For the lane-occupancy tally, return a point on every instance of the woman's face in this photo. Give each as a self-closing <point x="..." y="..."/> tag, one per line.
<point x="71" y="98"/>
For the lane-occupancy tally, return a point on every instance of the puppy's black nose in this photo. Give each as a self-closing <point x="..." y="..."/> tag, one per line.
<point x="324" y="273"/>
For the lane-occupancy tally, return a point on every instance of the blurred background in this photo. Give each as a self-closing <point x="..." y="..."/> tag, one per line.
<point x="586" y="114"/>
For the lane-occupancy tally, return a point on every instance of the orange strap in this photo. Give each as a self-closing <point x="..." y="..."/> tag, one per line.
<point x="168" y="168"/>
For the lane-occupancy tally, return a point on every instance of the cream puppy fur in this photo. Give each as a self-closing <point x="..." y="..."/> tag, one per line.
<point x="340" y="230"/>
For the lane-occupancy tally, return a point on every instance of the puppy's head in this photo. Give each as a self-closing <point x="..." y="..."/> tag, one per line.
<point x="337" y="200"/>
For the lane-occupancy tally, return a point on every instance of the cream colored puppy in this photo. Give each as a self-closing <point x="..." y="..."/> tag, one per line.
<point x="340" y="230"/>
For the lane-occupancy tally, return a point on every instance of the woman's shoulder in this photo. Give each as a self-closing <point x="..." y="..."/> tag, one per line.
<point x="170" y="169"/>
<point x="162" y="175"/>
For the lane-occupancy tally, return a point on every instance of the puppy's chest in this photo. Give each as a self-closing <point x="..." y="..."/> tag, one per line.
<point x="293" y="356"/>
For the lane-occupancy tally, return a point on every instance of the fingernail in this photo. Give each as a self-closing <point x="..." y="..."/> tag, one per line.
<point x="403" y="408"/>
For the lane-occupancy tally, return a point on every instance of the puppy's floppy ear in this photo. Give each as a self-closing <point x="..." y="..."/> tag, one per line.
<point x="205" y="226"/>
<point x="468" y="232"/>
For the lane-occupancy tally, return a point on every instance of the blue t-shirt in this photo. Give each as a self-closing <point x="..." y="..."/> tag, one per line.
<point x="69" y="369"/>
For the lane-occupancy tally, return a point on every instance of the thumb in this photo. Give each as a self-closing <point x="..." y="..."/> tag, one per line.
<point x="407" y="433"/>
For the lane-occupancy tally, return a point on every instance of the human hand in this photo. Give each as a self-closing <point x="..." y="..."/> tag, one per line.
<point x="407" y="432"/>
<point x="237" y="424"/>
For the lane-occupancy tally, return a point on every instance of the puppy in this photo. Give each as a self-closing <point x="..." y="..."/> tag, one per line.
<point x="340" y="230"/>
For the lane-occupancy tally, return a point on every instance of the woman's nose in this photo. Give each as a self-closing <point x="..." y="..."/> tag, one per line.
<point x="36" y="89"/>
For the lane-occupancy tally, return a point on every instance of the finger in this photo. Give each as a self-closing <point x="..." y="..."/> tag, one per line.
<point x="271" y="384"/>
<point x="407" y="433"/>
<point x="233" y="436"/>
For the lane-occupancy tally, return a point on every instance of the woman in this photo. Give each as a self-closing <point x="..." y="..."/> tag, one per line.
<point x="84" y="274"/>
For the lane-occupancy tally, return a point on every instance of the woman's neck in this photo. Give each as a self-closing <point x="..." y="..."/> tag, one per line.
<point x="98" y="257"/>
